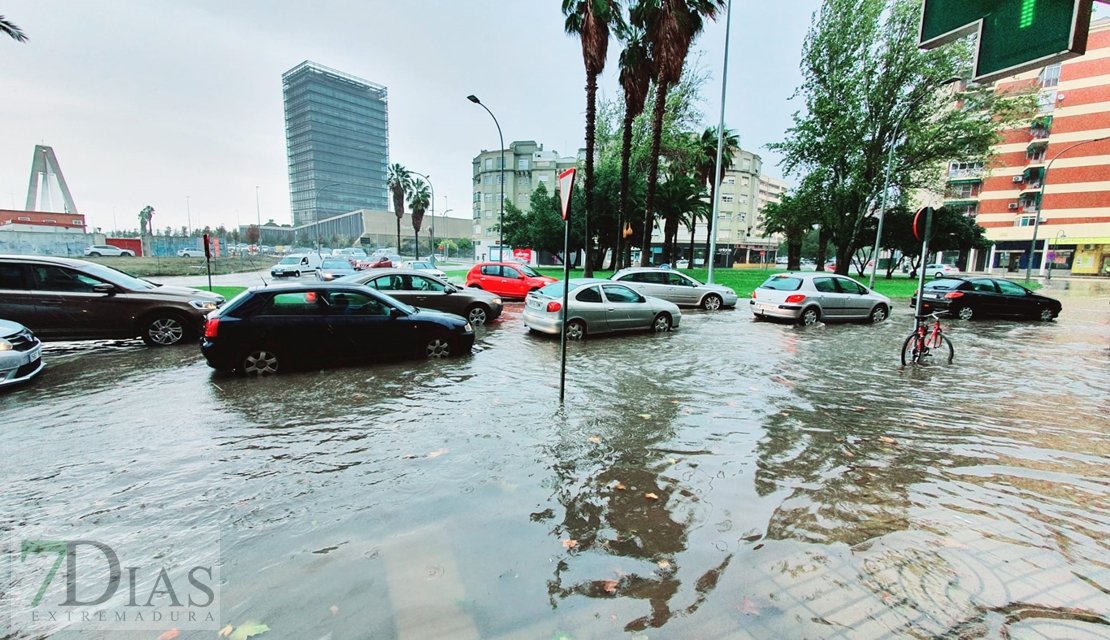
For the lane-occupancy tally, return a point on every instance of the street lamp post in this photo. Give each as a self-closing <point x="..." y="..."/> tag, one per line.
<point x="188" y="219"/>
<point x="501" y="216"/>
<point x="316" y="213"/>
<point x="432" y="187"/>
<point x="258" y="214"/>
<point x="1059" y="234"/>
<point x="446" y="230"/>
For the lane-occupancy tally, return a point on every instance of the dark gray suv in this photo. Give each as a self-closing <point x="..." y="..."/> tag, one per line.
<point x="65" y="299"/>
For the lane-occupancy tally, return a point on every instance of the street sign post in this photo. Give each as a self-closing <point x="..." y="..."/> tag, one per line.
<point x="566" y="188"/>
<point x="1013" y="35"/>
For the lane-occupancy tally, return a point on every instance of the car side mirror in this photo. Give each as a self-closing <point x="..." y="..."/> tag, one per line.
<point x="105" y="288"/>
<point x="394" y="312"/>
<point x="450" y="289"/>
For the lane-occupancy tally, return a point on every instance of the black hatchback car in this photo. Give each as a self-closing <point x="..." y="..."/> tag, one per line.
<point x="269" y="329"/>
<point x="967" y="298"/>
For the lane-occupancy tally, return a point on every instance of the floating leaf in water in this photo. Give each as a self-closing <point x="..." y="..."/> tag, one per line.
<point x="651" y="496"/>
<point x="226" y="631"/>
<point x="663" y="564"/>
<point x="748" y="608"/>
<point x="169" y="635"/>
<point x="248" y="629"/>
<point x="334" y="610"/>
<point x="886" y="439"/>
<point x="621" y="487"/>
<point x="849" y="453"/>
<point x="409" y="456"/>
<point x="673" y="460"/>
<point x="610" y="586"/>
<point x="595" y="440"/>
<point x="437" y="453"/>
<point x="569" y="544"/>
<point x="645" y="416"/>
<point x="98" y="503"/>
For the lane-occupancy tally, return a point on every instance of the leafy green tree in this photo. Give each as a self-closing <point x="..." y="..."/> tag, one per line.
<point x="681" y="199"/>
<point x="399" y="181"/>
<point x="670" y="27"/>
<point x="635" y="79"/>
<point x="419" y="200"/>
<point x="705" y="167"/>
<point x="791" y="218"/>
<point x="9" y="28"/>
<point x="867" y="86"/>
<point x="591" y="20"/>
<point x="466" y="247"/>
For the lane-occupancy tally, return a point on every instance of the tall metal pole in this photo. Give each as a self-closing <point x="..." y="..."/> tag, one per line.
<point x="921" y="272"/>
<point x="882" y="210"/>
<point x="720" y="154"/>
<point x="1044" y="189"/>
<point x="188" y="218"/>
<point x="258" y="214"/>
<point x="501" y="217"/>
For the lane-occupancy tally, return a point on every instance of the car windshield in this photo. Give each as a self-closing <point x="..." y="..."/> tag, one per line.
<point x="115" y="276"/>
<point x="555" y="289"/>
<point x="529" y="271"/>
<point x="290" y="260"/>
<point x="782" y="283"/>
<point x="335" y="264"/>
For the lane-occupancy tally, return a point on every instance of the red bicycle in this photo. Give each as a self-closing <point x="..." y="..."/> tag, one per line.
<point x="926" y="341"/>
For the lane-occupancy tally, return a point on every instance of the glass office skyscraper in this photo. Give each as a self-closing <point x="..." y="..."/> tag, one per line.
<point x="337" y="141"/>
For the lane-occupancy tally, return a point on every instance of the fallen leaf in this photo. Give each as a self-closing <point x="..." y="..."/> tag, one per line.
<point x="569" y="544"/>
<point x="334" y="610"/>
<point x="754" y="389"/>
<point x="169" y="635"/>
<point x="645" y="416"/>
<point x="611" y="586"/>
<point x="674" y="401"/>
<point x="651" y="496"/>
<point x="861" y="408"/>
<point x="621" y="487"/>
<point x="673" y="460"/>
<point x="98" y="503"/>
<point x="437" y="453"/>
<point x="612" y="617"/>
<point x="409" y="457"/>
<point x="358" y="396"/>
<point x="248" y="629"/>
<point x="595" y="440"/>
<point x="886" y="439"/>
<point x="849" y="453"/>
<point x="663" y="564"/>
<point x="748" y="608"/>
<point x="226" y="631"/>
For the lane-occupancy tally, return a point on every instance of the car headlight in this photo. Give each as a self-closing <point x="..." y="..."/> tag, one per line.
<point x="205" y="305"/>
<point x="468" y="327"/>
<point x="497" y="301"/>
<point x="7" y="346"/>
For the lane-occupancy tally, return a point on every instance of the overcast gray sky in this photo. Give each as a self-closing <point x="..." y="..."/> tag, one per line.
<point x="150" y="101"/>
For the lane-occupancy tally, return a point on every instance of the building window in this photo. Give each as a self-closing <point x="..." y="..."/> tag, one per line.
<point x="489" y="178"/>
<point x="965" y="190"/>
<point x="544" y="179"/>
<point x="523" y="180"/>
<point x="477" y="196"/>
<point x="726" y="198"/>
<point x="1050" y="76"/>
<point x="489" y="215"/>
<point x="965" y="170"/>
<point x="743" y="199"/>
<point x="744" y="181"/>
<point x="725" y="216"/>
<point x="741" y="217"/>
<point x="489" y="197"/>
<point x="477" y="229"/>
<point x="51" y="221"/>
<point x="1046" y="101"/>
<point x="500" y="162"/>
<point x="500" y="179"/>
<point x="23" y="219"/>
<point x="489" y="164"/>
<point x="520" y="197"/>
<point x="78" y="222"/>
<point x="1027" y="221"/>
<point x="730" y="180"/>
<point x="1037" y="155"/>
<point x="747" y="164"/>
<point x="522" y="164"/>
<point x="724" y="234"/>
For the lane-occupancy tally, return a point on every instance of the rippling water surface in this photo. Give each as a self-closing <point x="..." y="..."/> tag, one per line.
<point x="732" y="479"/>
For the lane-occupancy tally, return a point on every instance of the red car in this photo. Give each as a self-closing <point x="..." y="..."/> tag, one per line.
<point x="506" y="279"/>
<point x="375" y="263"/>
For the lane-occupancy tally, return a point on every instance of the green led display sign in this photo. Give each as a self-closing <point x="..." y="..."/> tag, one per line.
<point x="1013" y="35"/>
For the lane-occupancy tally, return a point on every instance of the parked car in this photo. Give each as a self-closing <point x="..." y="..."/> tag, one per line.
<point x="421" y="265"/>
<point x="597" y="306"/>
<point x="506" y="279"/>
<point x="334" y="267"/>
<point x="97" y="250"/>
<point x="66" y="299"/>
<point x="422" y="289"/>
<point x="940" y="270"/>
<point x="190" y="253"/>
<point x="967" y="298"/>
<point x="296" y="264"/>
<point x="270" y="329"/>
<point x="678" y="288"/>
<point x="812" y="297"/>
<point x="376" y="262"/>
<point x="20" y="354"/>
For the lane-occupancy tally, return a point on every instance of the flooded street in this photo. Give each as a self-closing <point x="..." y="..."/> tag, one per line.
<point x="732" y="479"/>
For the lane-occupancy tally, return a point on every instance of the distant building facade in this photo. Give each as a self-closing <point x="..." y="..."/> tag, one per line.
<point x="59" y="221"/>
<point x="527" y="166"/>
<point x="337" y="142"/>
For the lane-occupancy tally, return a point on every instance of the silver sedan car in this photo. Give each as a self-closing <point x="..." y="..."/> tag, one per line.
<point x="20" y="354"/>
<point x="812" y="297"/>
<point x="676" y="287"/>
<point x="597" y="306"/>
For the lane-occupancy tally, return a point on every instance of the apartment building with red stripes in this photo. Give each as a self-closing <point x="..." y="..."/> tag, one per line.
<point x="1057" y="168"/>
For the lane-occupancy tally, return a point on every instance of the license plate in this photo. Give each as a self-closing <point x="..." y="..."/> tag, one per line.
<point x="35" y="353"/>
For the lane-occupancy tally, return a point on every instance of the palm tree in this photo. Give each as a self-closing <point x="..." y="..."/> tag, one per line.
<point x="635" y="78"/>
<point x="399" y="182"/>
<point x="590" y="21"/>
<point x="419" y="199"/>
<point x="6" y="26"/>
<point x="706" y="171"/>
<point x="681" y="201"/>
<point x="670" y="26"/>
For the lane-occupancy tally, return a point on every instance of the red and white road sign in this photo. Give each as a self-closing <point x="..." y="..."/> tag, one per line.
<point x="566" y="184"/>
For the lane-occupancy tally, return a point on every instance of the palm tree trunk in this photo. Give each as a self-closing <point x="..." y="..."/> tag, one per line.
<point x="693" y="227"/>
<point x="626" y="158"/>
<point x="591" y="117"/>
<point x="416" y="243"/>
<point x="398" y="235"/>
<point x="653" y="171"/>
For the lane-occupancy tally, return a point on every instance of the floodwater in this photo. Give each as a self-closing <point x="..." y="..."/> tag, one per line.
<point x="732" y="479"/>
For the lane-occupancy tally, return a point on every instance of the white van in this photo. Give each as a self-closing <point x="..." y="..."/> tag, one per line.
<point x="296" y="264"/>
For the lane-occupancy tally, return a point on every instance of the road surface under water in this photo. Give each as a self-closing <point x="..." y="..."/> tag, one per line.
<point x="732" y="479"/>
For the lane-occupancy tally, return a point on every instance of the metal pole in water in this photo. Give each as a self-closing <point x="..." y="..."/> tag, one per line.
<point x="566" y="299"/>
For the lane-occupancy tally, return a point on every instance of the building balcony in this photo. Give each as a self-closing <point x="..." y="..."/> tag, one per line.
<point x="974" y="174"/>
<point x="1031" y="187"/>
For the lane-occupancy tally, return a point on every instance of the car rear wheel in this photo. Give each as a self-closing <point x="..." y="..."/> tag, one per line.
<point x="662" y="323"/>
<point x="576" y="330"/>
<point x="965" y="313"/>
<point x="94" y="254"/>
<point x="127" y="254"/>
<point x="164" y="330"/>
<point x="1047" y="314"/>
<point x="810" y="316"/>
<point x="711" y="302"/>
<point x="878" y="314"/>
<point x="477" y="314"/>
<point x="439" y="345"/>
<point x="260" y="362"/>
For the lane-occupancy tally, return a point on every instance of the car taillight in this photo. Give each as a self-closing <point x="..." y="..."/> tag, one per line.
<point x="797" y="297"/>
<point x="552" y="307"/>
<point x="753" y="295"/>
<point x="211" y="327"/>
<point x="953" y="295"/>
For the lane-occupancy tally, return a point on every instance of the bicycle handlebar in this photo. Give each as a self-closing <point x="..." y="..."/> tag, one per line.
<point x="935" y="315"/>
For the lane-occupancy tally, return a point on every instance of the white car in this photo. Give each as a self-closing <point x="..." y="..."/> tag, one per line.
<point x="940" y="270"/>
<point x="190" y="253"/>
<point x="97" y="250"/>
<point x="420" y="265"/>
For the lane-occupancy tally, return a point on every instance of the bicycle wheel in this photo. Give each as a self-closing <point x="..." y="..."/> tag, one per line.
<point x="911" y="349"/>
<point x="944" y="347"/>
